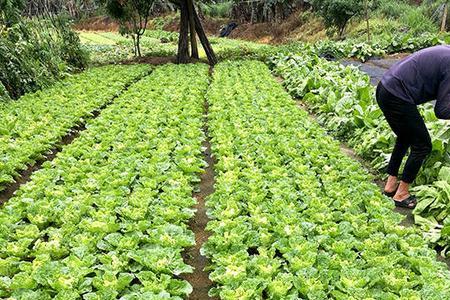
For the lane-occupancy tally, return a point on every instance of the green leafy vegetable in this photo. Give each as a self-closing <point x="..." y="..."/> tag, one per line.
<point x="107" y="218"/>
<point x="293" y="217"/>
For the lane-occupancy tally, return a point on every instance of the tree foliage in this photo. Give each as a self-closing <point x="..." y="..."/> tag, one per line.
<point x="10" y="11"/>
<point x="33" y="53"/>
<point x="132" y="16"/>
<point x="76" y="9"/>
<point x="337" y="13"/>
<point x="264" y="10"/>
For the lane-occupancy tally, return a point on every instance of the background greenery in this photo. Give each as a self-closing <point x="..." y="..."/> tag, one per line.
<point x="35" y="51"/>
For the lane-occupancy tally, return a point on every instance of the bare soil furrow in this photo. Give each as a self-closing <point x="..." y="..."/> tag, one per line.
<point x="199" y="279"/>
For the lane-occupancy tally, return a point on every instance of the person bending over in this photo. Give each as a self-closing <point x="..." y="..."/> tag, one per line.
<point x="421" y="77"/>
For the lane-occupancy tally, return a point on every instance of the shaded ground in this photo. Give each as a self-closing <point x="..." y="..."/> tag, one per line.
<point x="151" y="60"/>
<point x="375" y="72"/>
<point x="386" y="63"/>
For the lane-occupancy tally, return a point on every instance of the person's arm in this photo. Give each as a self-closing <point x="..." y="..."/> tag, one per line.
<point x="442" y="107"/>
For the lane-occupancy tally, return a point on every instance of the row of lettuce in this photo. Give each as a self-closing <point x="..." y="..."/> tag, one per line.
<point x="34" y="124"/>
<point x="107" y="219"/>
<point x="344" y="101"/>
<point x="293" y="217"/>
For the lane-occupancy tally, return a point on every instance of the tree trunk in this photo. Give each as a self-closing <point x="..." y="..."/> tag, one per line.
<point x="252" y="15"/>
<point x="138" y="44"/>
<point x="183" y="43"/>
<point x="194" y="47"/>
<point x="366" y="8"/>
<point x="341" y="32"/>
<point x="204" y="39"/>
<point x="134" y="45"/>
<point x="444" y="19"/>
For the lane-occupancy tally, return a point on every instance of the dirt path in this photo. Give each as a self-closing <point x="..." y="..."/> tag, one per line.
<point x="375" y="68"/>
<point x="374" y="71"/>
<point x="73" y="133"/>
<point x="199" y="279"/>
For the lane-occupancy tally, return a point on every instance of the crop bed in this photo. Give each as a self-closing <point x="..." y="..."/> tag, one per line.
<point x="290" y="216"/>
<point x="107" y="218"/>
<point x="293" y="218"/>
<point x="32" y="125"/>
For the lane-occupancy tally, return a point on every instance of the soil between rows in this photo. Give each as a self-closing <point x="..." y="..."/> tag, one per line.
<point x="199" y="279"/>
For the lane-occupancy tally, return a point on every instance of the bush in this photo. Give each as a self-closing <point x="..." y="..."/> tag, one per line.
<point x="35" y="53"/>
<point x="393" y="9"/>
<point x="418" y="21"/>
<point x="70" y="46"/>
<point x="337" y="13"/>
<point x="3" y="93"/>
<point x="378" y="26"/>
<point x="217" y="10"/>
<point x="414" y="19"/>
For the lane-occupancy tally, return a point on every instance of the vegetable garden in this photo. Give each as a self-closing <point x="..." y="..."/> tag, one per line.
<point x="291" y="217"/>
<point x="126" y="176"/>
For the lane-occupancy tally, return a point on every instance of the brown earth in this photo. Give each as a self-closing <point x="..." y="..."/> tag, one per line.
<point x="100" y="23"/>
<point x="297" y="26"/>
<point x="300" y="25"/>
<point x="269" y="32"/>
<point x="151" y="60"/>
<point x="199" y="279"/>
<point x="211" y="26"/>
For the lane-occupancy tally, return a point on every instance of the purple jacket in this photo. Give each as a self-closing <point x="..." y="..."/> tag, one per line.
<point x="422" y="77"/>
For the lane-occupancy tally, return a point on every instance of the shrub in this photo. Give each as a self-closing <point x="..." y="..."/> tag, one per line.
<point x="393" y="9"/>
<point x="337" y="13"/>
<point x="418" y="21"/>
<point x="35" y="53"/>
<point x="217" y="10"/>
